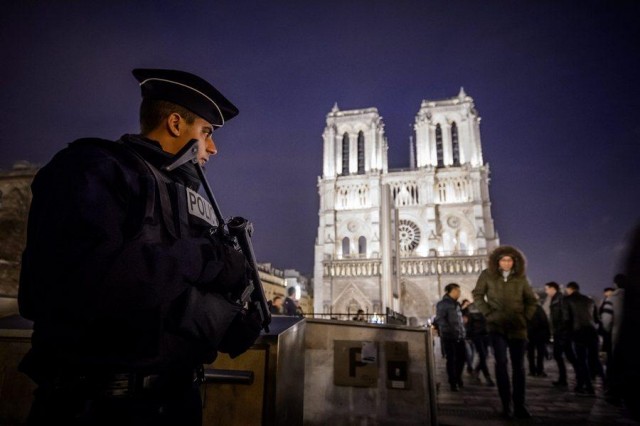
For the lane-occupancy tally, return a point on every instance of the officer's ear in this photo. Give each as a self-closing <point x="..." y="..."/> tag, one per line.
<point x="173" y="124"/>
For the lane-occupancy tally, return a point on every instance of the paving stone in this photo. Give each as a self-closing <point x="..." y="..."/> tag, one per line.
<point x="478" y="404"/>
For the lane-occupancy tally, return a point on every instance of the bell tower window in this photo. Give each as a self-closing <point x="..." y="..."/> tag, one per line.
<point x="455" y="145"/>
<point x="439" y="147"/>
<point x="360" y="152"/>
<point x="345" y="154"/>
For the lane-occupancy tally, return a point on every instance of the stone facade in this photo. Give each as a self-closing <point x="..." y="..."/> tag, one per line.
<point x="15" y="200"/>
<point x="395" y="238"/>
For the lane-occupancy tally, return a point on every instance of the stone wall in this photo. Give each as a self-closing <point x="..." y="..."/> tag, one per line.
<point x="15" y="200"/>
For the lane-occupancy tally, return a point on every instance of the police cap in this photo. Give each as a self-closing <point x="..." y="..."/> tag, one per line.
<point x="188" y="91"/>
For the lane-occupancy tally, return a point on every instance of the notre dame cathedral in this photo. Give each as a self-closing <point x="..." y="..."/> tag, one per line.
<point x="394" y="238"/>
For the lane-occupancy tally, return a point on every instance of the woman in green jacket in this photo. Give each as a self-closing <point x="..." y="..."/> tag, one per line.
<point x="503" y="294"/>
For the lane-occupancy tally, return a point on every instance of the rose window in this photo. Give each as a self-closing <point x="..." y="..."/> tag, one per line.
<point x="408" y="236"/>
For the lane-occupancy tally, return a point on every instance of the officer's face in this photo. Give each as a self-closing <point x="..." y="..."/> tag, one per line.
<point x="203" y="132"/>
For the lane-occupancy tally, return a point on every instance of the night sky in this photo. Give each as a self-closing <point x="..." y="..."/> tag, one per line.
<point x="557" y="85"/>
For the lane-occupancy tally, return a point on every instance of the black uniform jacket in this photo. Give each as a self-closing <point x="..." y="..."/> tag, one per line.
<point x="107" y="280"/>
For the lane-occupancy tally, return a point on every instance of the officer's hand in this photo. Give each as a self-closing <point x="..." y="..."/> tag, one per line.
<point x="242" y="333"/>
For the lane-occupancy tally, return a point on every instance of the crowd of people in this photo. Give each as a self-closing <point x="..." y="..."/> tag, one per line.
<point x="288" y="306"/>
<point x="506" y="315"/>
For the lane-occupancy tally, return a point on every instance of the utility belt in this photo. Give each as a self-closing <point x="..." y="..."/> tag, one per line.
<point x="125" y="384"/>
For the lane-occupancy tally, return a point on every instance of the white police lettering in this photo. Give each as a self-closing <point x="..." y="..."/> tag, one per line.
<point x="200" y="207"/>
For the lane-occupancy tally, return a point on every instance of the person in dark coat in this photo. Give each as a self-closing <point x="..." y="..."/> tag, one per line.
<point x="605" y="311"/>
<point x="626" y="374"/>
<point x="128" y="291"/>
<point x="276" y="306"/>
<point x="504" y="296"/>
<point x="359" y="317"/>
<point x="470" y="349"/>
<point x="290" y="307"/>
<point x="476" y="329"/>
<point x="581" y="316"/>
<point x="611" y="315"/>
<point x="561" y="343"/>
<point x="450" y="327"/>
<point x="539" y="334"/>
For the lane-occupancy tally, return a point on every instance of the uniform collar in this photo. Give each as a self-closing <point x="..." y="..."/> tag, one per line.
<point x="152" y="152"/>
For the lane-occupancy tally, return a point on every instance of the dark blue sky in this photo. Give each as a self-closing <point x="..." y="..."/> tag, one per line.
<point x="556" y="83"/>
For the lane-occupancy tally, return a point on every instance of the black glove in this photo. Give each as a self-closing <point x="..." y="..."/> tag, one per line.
<point x="233" y="276"/>
<point x="230" y="267"/>
<point x="241" y="334"/>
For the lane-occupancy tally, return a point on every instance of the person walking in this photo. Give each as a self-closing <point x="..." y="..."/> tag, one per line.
<point x="581" y="316"/>
<point x="611" y="312"/>
<point x="470" y="349"/>
<point x="289" y="307"/>
<point x="538" y="334"/>
<point x="504" y="296"/>
<point x="450" y="327"/>
<point x="476" y="328"/>
<point x="605" y="311"/>
<point x="561" y="343"/>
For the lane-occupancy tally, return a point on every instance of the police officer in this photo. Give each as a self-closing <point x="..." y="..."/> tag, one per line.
<point x="128" y="291"/>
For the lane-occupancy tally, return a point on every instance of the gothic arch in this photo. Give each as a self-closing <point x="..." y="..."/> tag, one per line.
<point x="346" y="247"/>
<point x="414" y="301"/>
<point x="348" y="296"/>
<point x="362" y="246"/>
<point x="460" y="234"/>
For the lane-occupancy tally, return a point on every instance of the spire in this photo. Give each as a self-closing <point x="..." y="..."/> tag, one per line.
<point x="335" y="108"/>
<point x="462" y="94"/>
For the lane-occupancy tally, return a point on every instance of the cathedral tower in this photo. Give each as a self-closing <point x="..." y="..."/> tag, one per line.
<point x="393" y="239"/>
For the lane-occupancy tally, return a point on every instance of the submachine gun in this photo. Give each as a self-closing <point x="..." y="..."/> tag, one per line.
<point x="237" y="228"/>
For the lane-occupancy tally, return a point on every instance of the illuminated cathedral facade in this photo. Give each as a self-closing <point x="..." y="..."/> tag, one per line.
<point x="394" y="238"/>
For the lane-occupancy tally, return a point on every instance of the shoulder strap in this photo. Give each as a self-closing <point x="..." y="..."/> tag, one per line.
<point x="161" y="184"/>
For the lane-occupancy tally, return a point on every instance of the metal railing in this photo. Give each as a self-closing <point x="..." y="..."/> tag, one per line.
<point x="390" y="317"/>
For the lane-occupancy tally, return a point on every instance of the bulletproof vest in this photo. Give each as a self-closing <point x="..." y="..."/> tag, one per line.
<point x="173" y="208"/>
<point x="162" y="207"/>
<point x="185" y="213"/>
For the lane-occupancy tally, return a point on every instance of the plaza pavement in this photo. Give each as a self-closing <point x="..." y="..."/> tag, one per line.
<point x="478" y="404"/>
